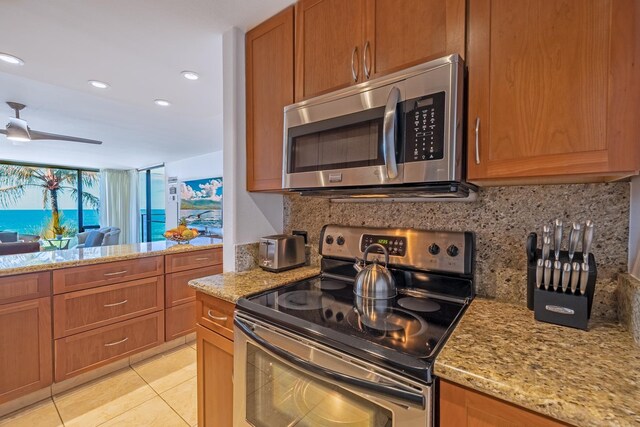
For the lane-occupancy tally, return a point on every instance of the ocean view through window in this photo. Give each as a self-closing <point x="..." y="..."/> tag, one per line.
<point x="47" y="201"/>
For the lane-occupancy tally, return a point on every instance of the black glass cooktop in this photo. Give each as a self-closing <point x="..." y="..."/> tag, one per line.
<point x="406" y="330"/>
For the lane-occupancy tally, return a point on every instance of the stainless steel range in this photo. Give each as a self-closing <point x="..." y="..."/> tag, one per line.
<point x="316" y="353"/>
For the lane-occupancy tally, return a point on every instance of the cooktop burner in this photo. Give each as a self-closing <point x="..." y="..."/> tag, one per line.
<point x="304" y="300"/>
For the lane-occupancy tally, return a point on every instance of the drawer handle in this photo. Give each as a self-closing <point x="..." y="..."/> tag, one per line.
<point x="220" y="318"/>
<point x="117" y="342"/>
<point x="204" y="258"/>
<point x="115" y="273"/>
<point x="116" y="303"/>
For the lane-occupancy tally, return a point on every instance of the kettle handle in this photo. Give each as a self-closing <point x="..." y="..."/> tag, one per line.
<point x="376" y="245"/>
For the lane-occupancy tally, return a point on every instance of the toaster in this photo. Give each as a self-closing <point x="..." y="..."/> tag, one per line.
<point x="281" y="252"/>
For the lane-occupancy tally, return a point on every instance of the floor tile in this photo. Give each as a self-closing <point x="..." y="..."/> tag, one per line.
<point x="168" y="370"/>
<point x="43" y="414"/>
<point x="152" y="413"/>
<point x="99" y="401"/>
<point x="24" y="401"/>
<point x="162" y="348"/>
<point x="78" y="380"/>
<point x="183" y="399"/>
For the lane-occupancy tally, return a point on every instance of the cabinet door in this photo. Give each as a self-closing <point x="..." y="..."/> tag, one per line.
<point x="552" y="89"/>
<point x="402" y="33"/>
<point x="329" y="40"/>
<point x="269" y="62"/>
<point x="215" y="379"/>
<point x="25" y="347"/>
<point x="460" y="407"/>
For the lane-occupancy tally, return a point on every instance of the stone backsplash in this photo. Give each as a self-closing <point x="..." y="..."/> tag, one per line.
<point x="501" y="218"/>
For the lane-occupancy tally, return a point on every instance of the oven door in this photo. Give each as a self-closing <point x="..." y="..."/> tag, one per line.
<point x="349" y="141"/>
<point x="281" y="379"/>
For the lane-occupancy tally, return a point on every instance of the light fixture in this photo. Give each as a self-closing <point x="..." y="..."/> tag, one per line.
<point x="18" y="131"/>
<point x="190" y="75"/>
<point x="10" y="59"/>
<point x="162" y="102"/>
<point x="98" y="84"/>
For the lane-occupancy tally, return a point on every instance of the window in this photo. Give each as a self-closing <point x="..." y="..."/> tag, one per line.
<point x="35" y="198"/>
<point x="151" y="190"/>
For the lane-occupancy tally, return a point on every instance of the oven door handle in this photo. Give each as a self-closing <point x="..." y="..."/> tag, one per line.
<point x="386" y="392"/>
<point x="389" y="133"/>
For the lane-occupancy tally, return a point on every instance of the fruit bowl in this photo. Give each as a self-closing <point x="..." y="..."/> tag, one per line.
<point x="181" y="234"/>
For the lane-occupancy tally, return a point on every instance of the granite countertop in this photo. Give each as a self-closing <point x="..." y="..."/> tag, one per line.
<point x="582" y="378"/>
<point x="52" y="260"/>
<point x="233" y="286"/>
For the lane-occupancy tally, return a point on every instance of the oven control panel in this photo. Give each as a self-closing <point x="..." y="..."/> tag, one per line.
<point x="395" y="245"/>
<point x="424" y="128"/>
<point x="428" y="250"/>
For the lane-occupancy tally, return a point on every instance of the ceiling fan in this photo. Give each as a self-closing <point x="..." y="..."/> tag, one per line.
<point x="18" y="131"/>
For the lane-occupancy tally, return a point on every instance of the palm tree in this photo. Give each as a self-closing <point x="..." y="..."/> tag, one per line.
<point x="16" y="179"/>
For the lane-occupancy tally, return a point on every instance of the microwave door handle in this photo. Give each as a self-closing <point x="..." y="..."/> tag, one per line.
<point x="389" y="133"/>
<point x="386" y="392"/>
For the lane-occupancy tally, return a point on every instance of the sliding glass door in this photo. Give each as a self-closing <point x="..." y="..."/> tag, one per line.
<point x="151" y="184"/>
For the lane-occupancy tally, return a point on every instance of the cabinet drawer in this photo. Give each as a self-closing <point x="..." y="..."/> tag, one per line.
<point x="195" y="259"/>
<point x="86" y="351"/>
<point x="90" y="276"/>
<point x="215" y="314"/>
<point x="178" y="290"/>
<point x="24" y="287"/>
<point x="180" y="320"/>
<point x="80" y="311"/>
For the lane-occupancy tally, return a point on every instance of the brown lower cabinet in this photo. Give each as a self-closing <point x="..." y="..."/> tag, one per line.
<point x="25" y="347"/>
<point x="460" y="406"/>
<point x="215" y="379"/>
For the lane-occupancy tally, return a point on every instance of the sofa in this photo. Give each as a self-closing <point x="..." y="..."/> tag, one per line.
<point x="13" y="248"/>
<point x="111" y="236"/>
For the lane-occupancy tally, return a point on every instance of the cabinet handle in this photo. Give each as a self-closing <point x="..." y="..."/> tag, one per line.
<point x="477" y="140"/>
<point x="204" y="258"/>
<point x="220" y="318"/>
<point x="115" y="274"/>
<point x="354" y="73"/>
<point x="116" y="303"/>
<point x="117" y="342"/>
<point x="367" y="71"/>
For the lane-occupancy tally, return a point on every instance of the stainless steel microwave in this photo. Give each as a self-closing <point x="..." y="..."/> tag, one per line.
<point x="396" y="135"/>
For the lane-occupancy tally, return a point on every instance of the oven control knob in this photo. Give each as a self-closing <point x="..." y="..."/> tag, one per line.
<point x="340" y="240"/>
<point x="329" y="240"/>
<point x="434" y="249"/>
<point x="452" y="250"/>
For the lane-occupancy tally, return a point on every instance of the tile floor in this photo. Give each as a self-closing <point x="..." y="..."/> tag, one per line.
<point x="160" y="391"/>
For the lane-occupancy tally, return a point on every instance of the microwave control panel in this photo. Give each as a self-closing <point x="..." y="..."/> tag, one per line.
<point x="424" y="128"/>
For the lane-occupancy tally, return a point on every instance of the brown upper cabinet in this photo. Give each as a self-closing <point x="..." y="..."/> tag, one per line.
<point x="553" y="92"/>
<point x="269" y="73"/>
<point x="340" y="43"/>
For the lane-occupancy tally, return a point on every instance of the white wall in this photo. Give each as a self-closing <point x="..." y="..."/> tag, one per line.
<point x="205" y="166"/>
<point x="634" y="228"/>
<point x="246" y="216"/>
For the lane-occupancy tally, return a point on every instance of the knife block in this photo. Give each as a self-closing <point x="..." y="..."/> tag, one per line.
<point x="558" y="307"/>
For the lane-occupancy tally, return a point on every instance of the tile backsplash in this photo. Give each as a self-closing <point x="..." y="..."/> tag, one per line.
<point x="501" y="218"/>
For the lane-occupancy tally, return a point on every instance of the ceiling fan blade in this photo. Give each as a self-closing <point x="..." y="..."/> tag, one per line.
<point x="2" y="131"/>
<point x="37" y="135"/>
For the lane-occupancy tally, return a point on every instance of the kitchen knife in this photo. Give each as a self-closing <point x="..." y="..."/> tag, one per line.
<point x="574" y="238"/>
<point x="557" y="271"/>
<point x="539" y="270"/>
<point x="587" y="239"/>
<point x="575" y="276"/>
<point x="546" y="231"/>
<point x="566" y="274"/>
<point x="546" y="247"/>
<point x="557" y="238"/>
<point x="532" y="244"/>
<point x="548" y="268"/>
<point x="584" y="278"/>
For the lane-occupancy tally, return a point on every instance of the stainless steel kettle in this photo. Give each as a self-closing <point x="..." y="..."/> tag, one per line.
<point x="374" y="281"/>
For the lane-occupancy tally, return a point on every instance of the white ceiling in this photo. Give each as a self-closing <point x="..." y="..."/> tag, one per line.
<point x="139" y="47"/>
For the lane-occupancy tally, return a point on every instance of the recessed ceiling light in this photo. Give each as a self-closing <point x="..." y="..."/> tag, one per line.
<point x="10" y="59"/>
<point x="162" y="102"/>
<point x="98" y="84"/>
<point x="190" y="75"/>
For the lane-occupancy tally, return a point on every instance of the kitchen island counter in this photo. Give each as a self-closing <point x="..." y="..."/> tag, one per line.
<point x="585" y="378"/>
<point x="233" y="286"/>
<point x="53" y="260"/>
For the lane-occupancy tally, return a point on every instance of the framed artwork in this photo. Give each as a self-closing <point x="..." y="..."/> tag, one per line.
<point x="201" y="204"/>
